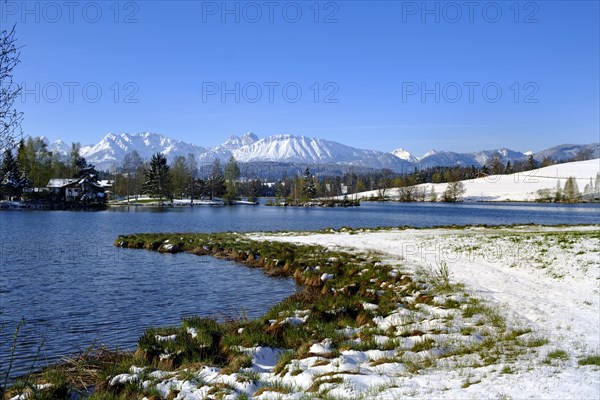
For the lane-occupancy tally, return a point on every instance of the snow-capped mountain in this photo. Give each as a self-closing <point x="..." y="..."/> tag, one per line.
<point x="228" y="148"/>
<point x="298" y="149"/>
<point x="111" y="150"/>
<point x="57" y="147"/>
<point x="434" y="158"/>
<point x="303" y="149"/>
<point x="404" y="154"/>
<point x="568" y="151"/>
<point x="249" y="148"/>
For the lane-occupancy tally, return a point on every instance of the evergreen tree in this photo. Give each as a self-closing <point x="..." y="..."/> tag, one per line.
<point x="531" y="163"/>
<point x="158" y="179"/>
<point x="74" y="158"/>
<point x="232" y="174"/>
<point x="309" y="189"/>
<point x="216" y="181"/>
<point x="85" y="170"/>
<point x="199" y="189"/>
<point x="360" y="186"/>
<point x="12" y="182"/>
<point x="278" y="192"/>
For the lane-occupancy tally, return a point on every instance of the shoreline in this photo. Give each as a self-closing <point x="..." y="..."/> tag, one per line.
<point x="384" y="245"/>
<point x="21" y="206"/>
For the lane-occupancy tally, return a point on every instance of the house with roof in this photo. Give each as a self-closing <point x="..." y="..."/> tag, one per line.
<point x="76" y="191"/>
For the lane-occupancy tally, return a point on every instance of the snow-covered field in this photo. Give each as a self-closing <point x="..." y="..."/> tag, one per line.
<point x="543" y="283"/>
<point x="548" y="281"/>
<point x="522" y="186"/>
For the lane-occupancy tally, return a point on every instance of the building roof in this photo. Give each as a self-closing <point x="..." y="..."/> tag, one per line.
<point x="59" y="182"/>
<point x="106" y="183"/>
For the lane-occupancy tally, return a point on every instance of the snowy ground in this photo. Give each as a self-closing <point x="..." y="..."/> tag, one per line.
<point x="522" y="186"/>
<point x="551" y="282"/>
<point x="546" y="279"/>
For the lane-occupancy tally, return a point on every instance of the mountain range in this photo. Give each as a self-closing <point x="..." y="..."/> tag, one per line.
<point x="293" y="149"/>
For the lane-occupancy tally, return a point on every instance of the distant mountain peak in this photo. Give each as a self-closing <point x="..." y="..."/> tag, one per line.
<point x="404" y="154"/>
<point x="110" y="151"/>
<point x="431" y="152"/>
<point x="250" y="136"/>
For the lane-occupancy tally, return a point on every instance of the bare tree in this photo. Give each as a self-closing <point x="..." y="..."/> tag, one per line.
<point x="454" y="192"/>
<point x="10" y="119"/>
<point x="384" y="183"/>
<point x="571" y="191"/>
<point x="407" y="193"/>
<point x="192" y="167"/>
<point x="132" y="168"/>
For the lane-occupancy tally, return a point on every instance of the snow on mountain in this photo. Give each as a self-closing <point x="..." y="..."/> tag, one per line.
<point x="303" y="149"/>
<point x="111" y="150"/>
<point x="404" y="154"/>
<point x="226" y="150"/>
<point x="429" y="153"/>
<point x="435" y="158"/>
<point x="484" y="157"/>
<point x="567" y="151"/>
<point x="57" y="147"/>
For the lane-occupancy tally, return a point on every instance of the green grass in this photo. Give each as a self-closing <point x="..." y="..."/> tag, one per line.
<point x="507" y="370"/>
<point x="590" y="360"/>
<point x="558" y="354"/>
<point x="533" y="342"/>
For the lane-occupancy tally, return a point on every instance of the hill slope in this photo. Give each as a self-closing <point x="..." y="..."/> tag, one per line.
<point x="522" y="186"/>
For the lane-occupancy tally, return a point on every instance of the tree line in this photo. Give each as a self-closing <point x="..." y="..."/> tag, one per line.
<point x="32" y="165"/>
<point x="26" y="171"/>
<point x="181" y="179"/>
<point x="570" y="193"/>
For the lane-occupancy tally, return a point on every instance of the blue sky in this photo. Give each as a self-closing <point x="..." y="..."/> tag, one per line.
<point x="377" y="75"/>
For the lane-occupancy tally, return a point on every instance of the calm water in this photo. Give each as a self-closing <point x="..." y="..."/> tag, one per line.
<point x="60" y="272"/>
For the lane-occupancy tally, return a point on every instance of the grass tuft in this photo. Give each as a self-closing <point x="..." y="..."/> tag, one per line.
<point x="590" y="360"/>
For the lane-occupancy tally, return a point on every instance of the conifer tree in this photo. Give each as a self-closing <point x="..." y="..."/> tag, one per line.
<point x="158" y="179"/>
<point x="309" y="189"/>
<point x="232" y="174"/>
<point x="12" y="181"/>
<point x="216" y="181"/>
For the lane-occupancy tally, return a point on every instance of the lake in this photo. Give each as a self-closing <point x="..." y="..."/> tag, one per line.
<point x="61" y="274"/>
